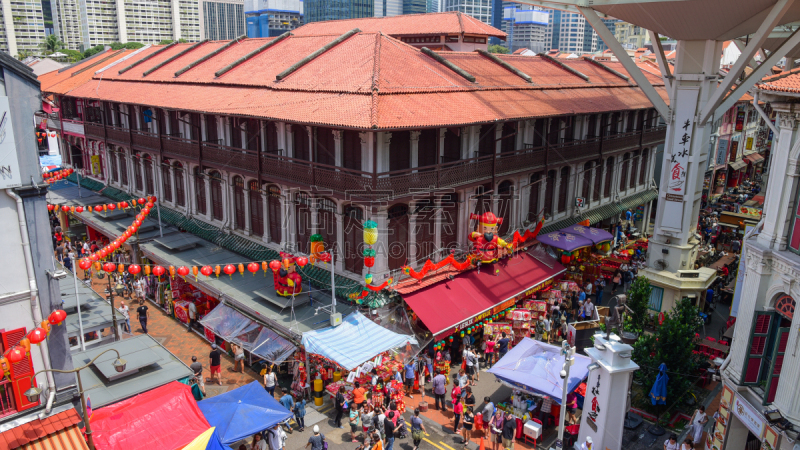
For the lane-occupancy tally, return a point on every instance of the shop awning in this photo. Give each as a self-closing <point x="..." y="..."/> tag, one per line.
<point x="257" y="339"/>
<point x="603" y="212"/>
<point x="448" y="306"/>
<point x="564" y="241"/>
<point x="754" y="158"/>
<point x="355" y="341"/>
<point x="533" y="366"/>
<point x="737" y="165"/>
<point x="596" y="235"/>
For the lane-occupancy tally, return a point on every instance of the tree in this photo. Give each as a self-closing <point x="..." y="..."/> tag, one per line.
<point x="72" y="55"/>
<point x="170" y="41"/>
<point x="638" y="300"/>
<point x="672" y="344"/>
<point x="91" y="51"/>
<point x="498" y="49"/>
<point x="51" y="44"/>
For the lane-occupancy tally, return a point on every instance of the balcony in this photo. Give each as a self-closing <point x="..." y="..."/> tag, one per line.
<point x="118" y="135"/>
<point x="176" y="147"/>
<point x="143" y="140"/>
<point x="224" y="157"/>
<point x="94" y="130"/>
<point x="655" y="135"/>
<point x="73" y="126"/>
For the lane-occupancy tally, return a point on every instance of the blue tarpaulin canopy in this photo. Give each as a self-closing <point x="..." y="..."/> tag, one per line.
<point x="534" y="367"/>
<point x="355" y="341"/>
<point x="242" y="412"/>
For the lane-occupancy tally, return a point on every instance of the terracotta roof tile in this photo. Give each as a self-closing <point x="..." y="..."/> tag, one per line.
<point x="38" y="429"/>
<point x="405" y="25"/>
<point x="788" y="81"/>
<point x="64" y="82"/>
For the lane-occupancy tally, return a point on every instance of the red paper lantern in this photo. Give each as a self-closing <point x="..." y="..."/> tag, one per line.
<point x="183" y="271"/>
<point x="124" y="204"/>
<point x="51" y="207"/>
<point x="253" y="268"/>
<point x="65" y="208"/>
<point x="37" y="335"/>
<point x="93" y="257"/>
<point x="301" y="261"/>
<point x="112" y="206"/>
<point x="79" y="209"/>
<point x="137" y="223"/>
<point x="275" y="265"/>
<point x="131" y="229"/>
<point x="57" y="317"/>
<point x="146" y="211"/>
<point x="134" y="269"/>
<point x="85" y="264"/>
<point x="230" y="269"/>
<point x="142" y="201"/>
<point x="109" y="267"/>
<point x="16" y="355"/>
<point x="158" y="271"/>
<point x="207" y="271"/>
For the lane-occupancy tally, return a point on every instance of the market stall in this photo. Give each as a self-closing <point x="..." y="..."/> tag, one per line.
<point x="349" y="352"/>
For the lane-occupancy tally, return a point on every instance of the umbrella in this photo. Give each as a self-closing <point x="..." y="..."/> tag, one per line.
<point x="658" y="395"/>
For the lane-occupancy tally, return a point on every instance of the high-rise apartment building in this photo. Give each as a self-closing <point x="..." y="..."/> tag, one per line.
<point x="83" y="24"/>
<point x="611" y="24"/>
<point x="431" y="6"/>
<point x="570" y="33"/>
<point x="415" y="6"/>
<point x="631" y="36"/>
<point x="223" y="20"/>
<point x="479" y="9"/>
<point x="267" y="18"/>
<point x="526" y="27"/>
<point x="319" y="10"/>
<point x="21" y="27"/>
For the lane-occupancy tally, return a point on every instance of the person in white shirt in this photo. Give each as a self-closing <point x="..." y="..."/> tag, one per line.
<point x="123" y="308"/>
<point x="547" y="334"/>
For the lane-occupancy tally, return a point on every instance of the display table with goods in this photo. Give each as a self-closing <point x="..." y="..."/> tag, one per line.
<point x="384" y="365"/>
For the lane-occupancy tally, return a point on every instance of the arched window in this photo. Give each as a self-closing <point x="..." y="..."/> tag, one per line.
<point x="449" y="221"/>
<point x="200" y="191"/>
<point x="274" y="214"/>
<point x="238" y="203"/>
<point x="256" y="209"/>
<point x="586" y="186"/>
<point x="623" y="174"/>
<point x="148" y="175"/>
<point x="563" y="189"/>
<point x="533" y="200"/>
<point x="326" y="210"/>
<point x="137" y="172"/>
<point x="166" y="181"/>
<point x="302" y="211"/>
<point x="180" y="189"/>
<point x="505" y="193"/>
<point x="609" y="177"/>
<point x="549" y="192"/>
<point x="598" y="179"/>
<point x="398" y="236"/>
<point x="123" y="168"/>
<point x="353" y="237"/>
<point x="643" y="166"/>
<point x="217" y="211"/>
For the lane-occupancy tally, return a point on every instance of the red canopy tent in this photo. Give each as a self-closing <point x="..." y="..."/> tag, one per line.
<point x="165" y="418"/>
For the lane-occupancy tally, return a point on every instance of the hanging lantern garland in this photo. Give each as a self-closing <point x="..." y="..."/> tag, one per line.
<point x="22" y="350"/>
<point x="370" y="238"/>
<point x="58" y="175"/>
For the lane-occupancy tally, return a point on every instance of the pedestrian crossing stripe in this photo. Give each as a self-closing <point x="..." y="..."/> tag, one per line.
<point x="431" y="442"/>
<point x="446" y="446"/>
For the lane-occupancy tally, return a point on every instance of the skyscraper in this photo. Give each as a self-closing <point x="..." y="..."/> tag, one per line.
<point x="479" y="9"/>
<point x="319" y="10"/>
<point x="526" y="27"/>
<point x="611" y="24"/>
<point x="570" y="33"/>
<point x="21" y="27"/>
<point x="223" y="19"/>
<point x="272" y="17"/>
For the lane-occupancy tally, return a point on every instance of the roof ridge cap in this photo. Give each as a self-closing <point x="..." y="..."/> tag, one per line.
<point x="376" y="67"/>
<point x="779" y="76"/>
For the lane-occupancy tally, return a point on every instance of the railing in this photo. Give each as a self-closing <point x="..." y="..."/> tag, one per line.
<point x="654" y="135"/>
<point x="621" y="141"/>
<point x="224" y="157"/>
<point x="94" y="130"/>
<point x="7" y="404"/>
<point x="118" y="135"/>
<point x="144" y="140"/>
<point x="181" y="148"/>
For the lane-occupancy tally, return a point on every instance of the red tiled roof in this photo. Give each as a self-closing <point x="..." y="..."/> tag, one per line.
<point x="405" y="25"/>
<point x="64" y="82"/>
<point x="787" y="81"/>
<point x="38" y="429"/>
<point x="369" y="80"/>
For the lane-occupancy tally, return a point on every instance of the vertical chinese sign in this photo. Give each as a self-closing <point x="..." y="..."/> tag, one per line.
<point x="678" y="158"/>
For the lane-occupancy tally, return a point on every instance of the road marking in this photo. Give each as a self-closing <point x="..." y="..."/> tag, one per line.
<point x="431" y="442"/>
<point x="447" y="446"/>
<point x="324" y="409"/>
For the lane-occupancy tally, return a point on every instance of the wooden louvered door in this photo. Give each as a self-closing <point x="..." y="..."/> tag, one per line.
<point x="256" y="209"/>
<point x="549" y="192"/>
<point x="449" y="221"/>
<point x="216" y="196"/>
<point x="238" y="203"/>
<point x="563" y="189"/>
<point x="274" y="213"/>
<point x="505" y="194"/>
<point x="486" y="141"/>
<point x="21" y="373"/>
<point x="452" y="145"/>
<point x="428" y="147"/>
<point x="398" y="236"/>
<point x="598" y="180"/>
<point x="757" y="348"/>
<point x="400" y="151"/>
<point x="303" y="222"/>
<point x="351" y="150"/>
<point x="300" y="141"/>
<point x="324" y="146"/>
<point x="424" y="229"/>
<point x="533" y="198"/>
<point x="776" y="364"/>
<point x="353" y="237"/>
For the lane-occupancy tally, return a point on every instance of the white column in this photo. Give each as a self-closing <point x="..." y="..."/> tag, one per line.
<point x="412" y="236"/>
<point x="498" y="133"/>
<point x="415" y="148"/>
<point x="122" y="23"/>
<point x="176" y="18"/>
<point x="247" y="225"/>
<point x="191" y="193"/>
<point x="437" y="222"/>
<point x="340" y="240"/>
<point x="384" y="138"/>
<point x="282" y="130"/>
<point x="288" y="218"/>
<point x="207" y="186"/>
<point x="337" y="143"/>
<point x="367" y="151"/>
<point x="265" y="216"/>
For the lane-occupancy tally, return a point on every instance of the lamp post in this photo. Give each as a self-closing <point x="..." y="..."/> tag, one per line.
<point x="569" y="360"/>
<point x="119" y="289"/>
<point x="34" y="393"/>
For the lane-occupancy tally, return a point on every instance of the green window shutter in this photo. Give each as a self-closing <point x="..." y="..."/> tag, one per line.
<point x="757" y="348"/>
<point x="777" y="363"/>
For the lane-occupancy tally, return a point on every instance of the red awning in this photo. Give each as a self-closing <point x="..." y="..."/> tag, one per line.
<point x="446" y="306"/>
<point x="754" y="158"/>
<point x="759" y="199"/>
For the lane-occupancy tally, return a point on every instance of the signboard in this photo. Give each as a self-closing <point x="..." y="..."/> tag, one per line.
<point x="9" y="164"/>
<point x="52" y="143"/>
<point x="722" y="151"/>
<point x="678" y="158"/>
<point x="740" y="121"/>
<point x="749" y="144"/>
<point x="769" y="441"/>
<point x="95" y="164"/>
<point x="716" y="435"/>
<point x="749" y="416"/>
<point x="580" y="202"/>
<point x="734" y="150"/>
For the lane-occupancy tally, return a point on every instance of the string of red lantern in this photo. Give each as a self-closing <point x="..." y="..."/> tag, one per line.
<point x="22" y="350"/>
<point x="52" y="177"/>
<point x="145" y="203"/>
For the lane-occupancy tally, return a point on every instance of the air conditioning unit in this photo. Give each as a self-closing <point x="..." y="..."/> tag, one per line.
<point x="688" y="274"/>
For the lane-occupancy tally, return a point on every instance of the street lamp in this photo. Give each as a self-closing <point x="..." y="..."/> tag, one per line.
<point x="119" y="288"/>
<point x="569" y="360"/>
<point x="34" y="393"/>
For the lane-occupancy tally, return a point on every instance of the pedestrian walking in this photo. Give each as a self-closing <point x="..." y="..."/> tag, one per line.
<point x="143" y="314"/>
<point x="489" y="355"/>
<point x="258" y="443"/>
<point x="439" y="389"/>
<point x="458" y="409"/>
<point x="417" y="429"/>
<point x="469" y="421"/>
<point x="238" y="356"/>
<point x="699" y="420"/>
<point x="615" y="282"/>
<point x="470" y="358"/>
<point x="389" y="428"/>
<point x="502" y="346"/>
<point x="359" y="395"/>
<point x="509" y="431"/>
<point x="354" y="422"/>
<point x="487" y="413"/>
<point x="339" y="404"/>
<point x="627" y="279"/>
<point x="410" y="372"/>
<point x="601" y="285"/>
<point x="299" y="411"/>
<point x="317" y="440"/>
<point x="366" y="421"/>
<point x="496" y="426"/>
<point x="123" y="308"/>
<point x="270" y="380"/>
<point x="545" y="409"/>
<point x="276" y="438"/>
<point x="197" y="370"/>
<point x="192" y="315"/>
<point x="214" y="363"/>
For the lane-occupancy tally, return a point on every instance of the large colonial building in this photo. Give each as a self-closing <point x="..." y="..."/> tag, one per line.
<point x="276" y="140"/>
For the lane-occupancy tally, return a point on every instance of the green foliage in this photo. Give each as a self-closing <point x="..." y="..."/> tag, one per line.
<point x="670" y="344"/>
<point x="498" y="49"/>
<point x="72" y="55"/>
<point x="51" y="44"/>
<point x="92" y="51"/>
<point x="170" y="41"/>
<point x="114" y="46"/>
<point x="638" y="299"/>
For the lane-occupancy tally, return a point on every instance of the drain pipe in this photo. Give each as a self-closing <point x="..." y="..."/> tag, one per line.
<point x="34" y="287"/>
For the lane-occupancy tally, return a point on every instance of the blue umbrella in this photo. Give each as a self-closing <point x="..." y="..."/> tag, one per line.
<point x="658" y="395"/>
